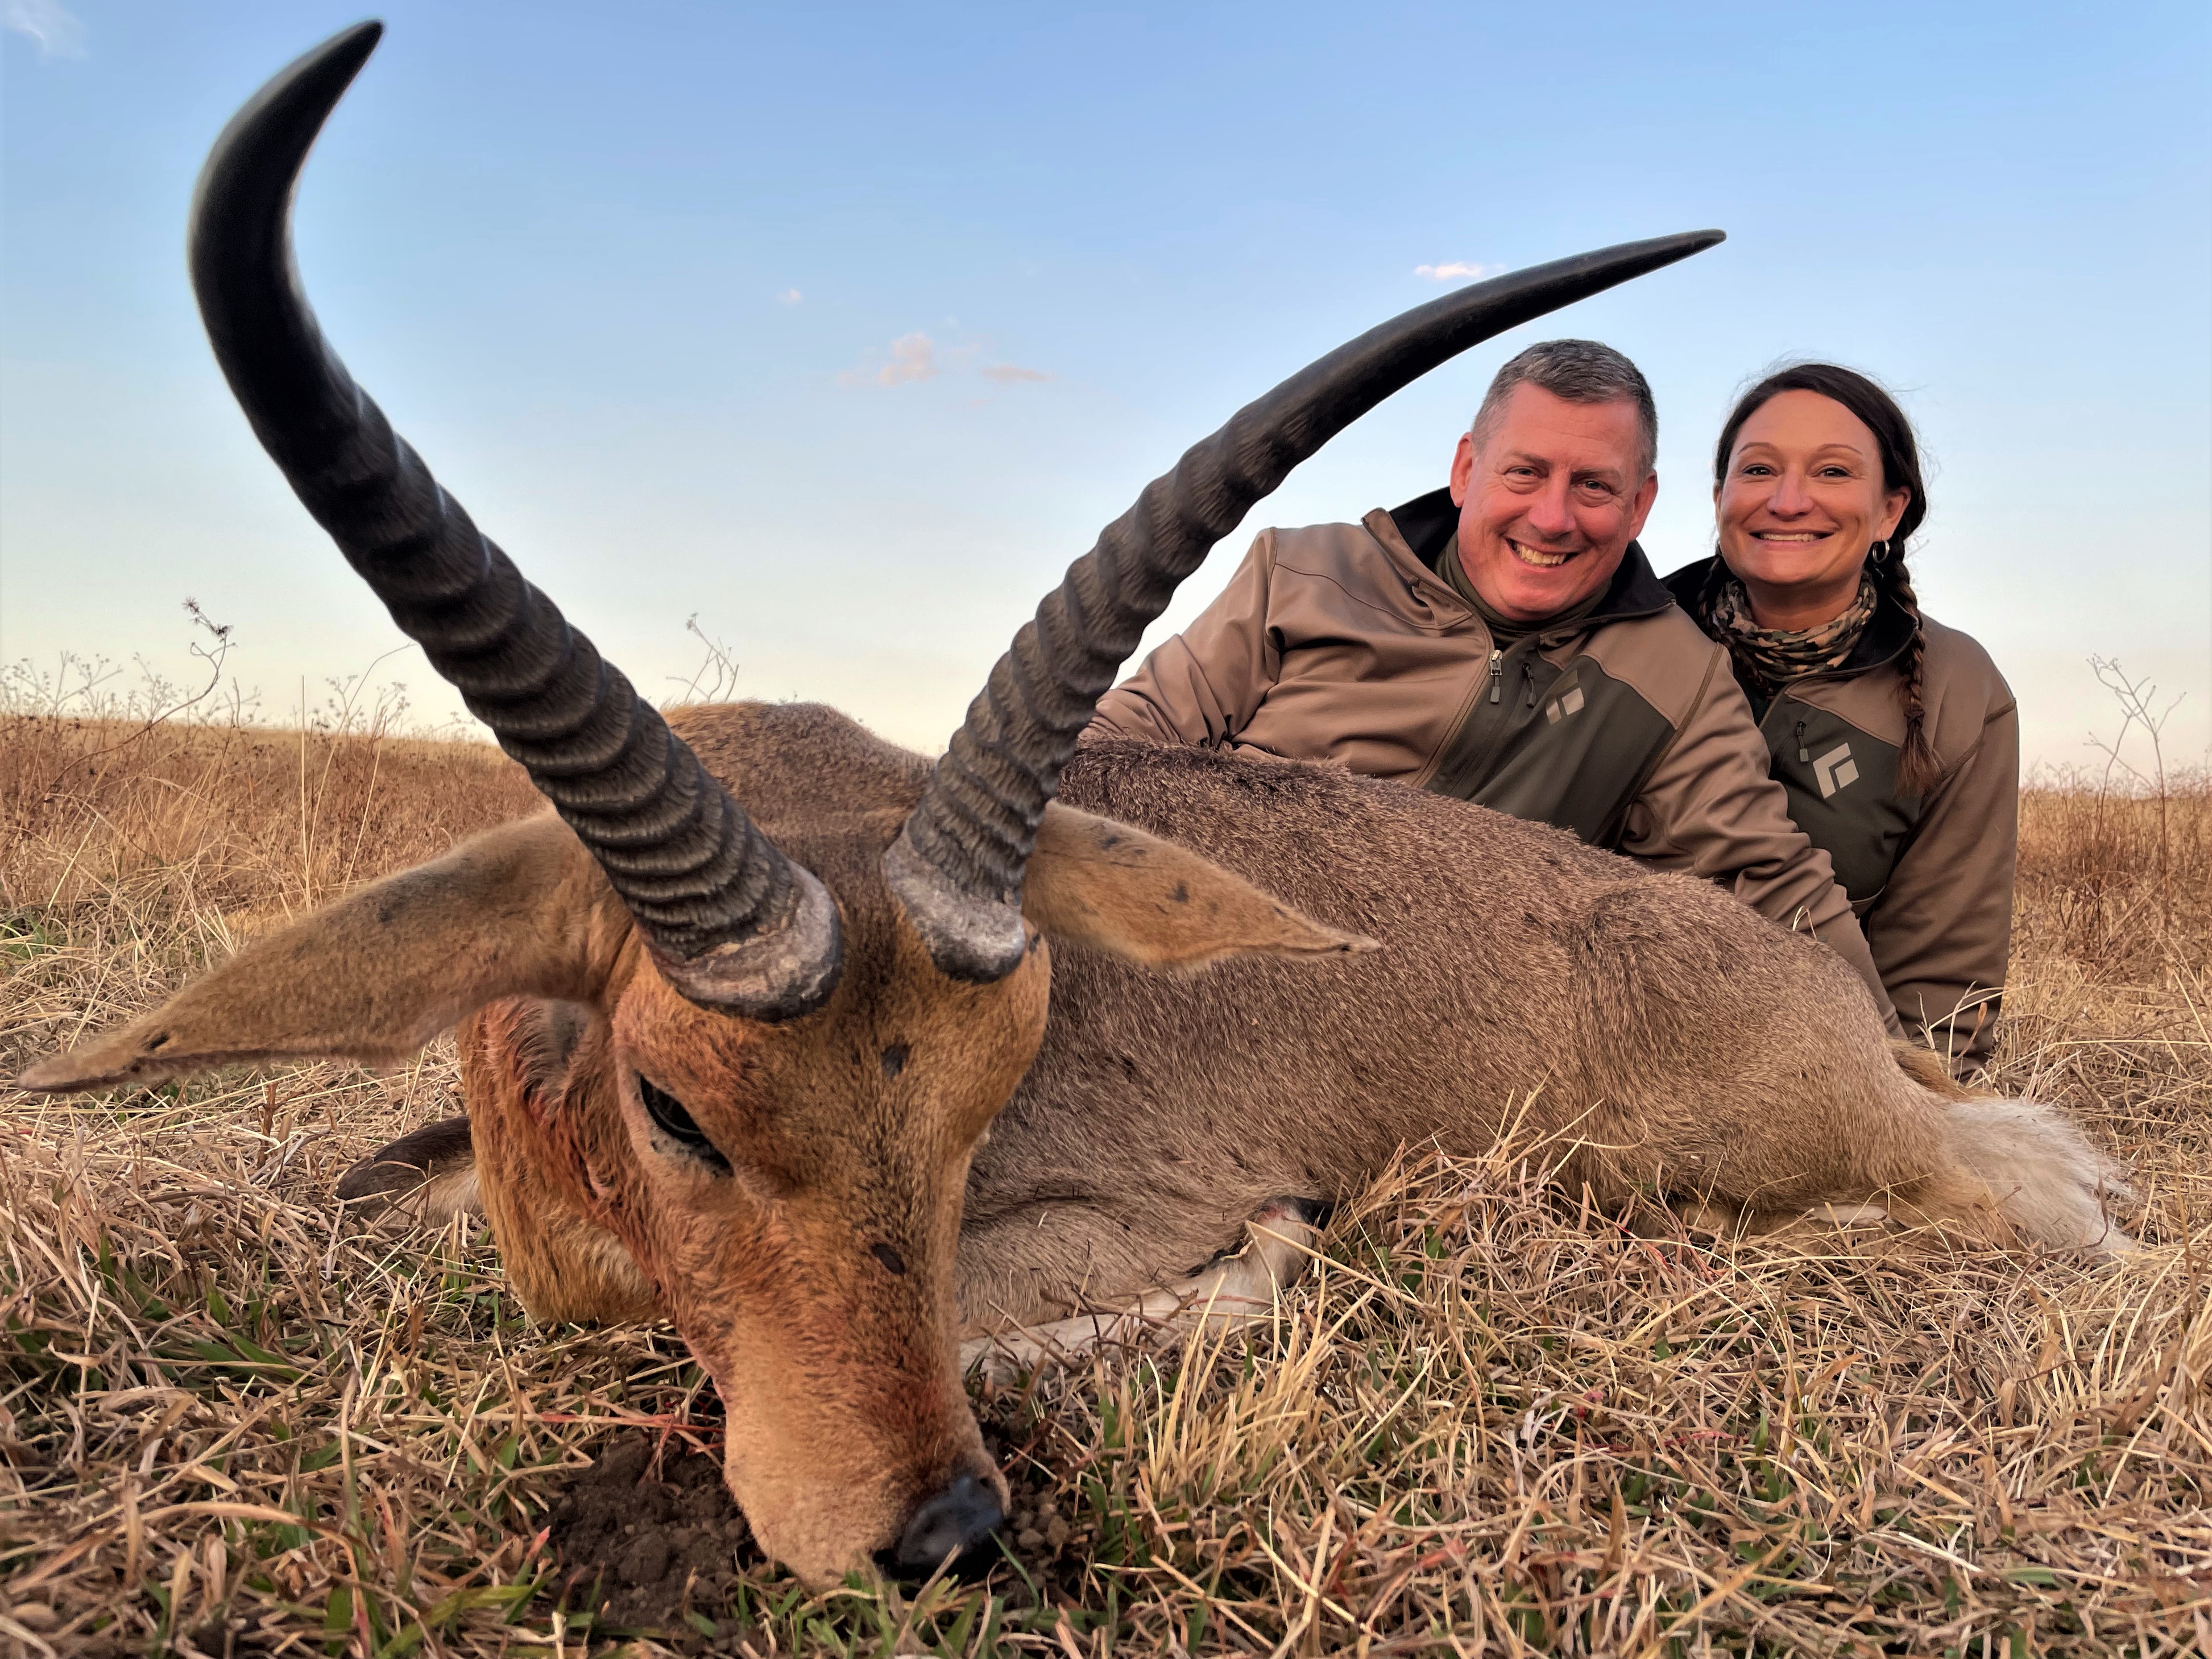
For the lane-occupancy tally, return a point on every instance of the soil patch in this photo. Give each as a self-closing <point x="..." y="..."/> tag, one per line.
<point x="651" y="1543"/>
<point x="649" y="1536"/>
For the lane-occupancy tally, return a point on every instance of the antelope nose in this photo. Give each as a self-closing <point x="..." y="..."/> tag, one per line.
<point x="953" y="1522"/>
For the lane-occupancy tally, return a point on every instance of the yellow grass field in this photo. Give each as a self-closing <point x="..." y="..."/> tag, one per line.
<point x="235" y="1420"/>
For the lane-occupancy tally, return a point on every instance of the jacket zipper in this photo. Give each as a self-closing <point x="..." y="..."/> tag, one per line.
<point x="1803" y="753"/>
<point x="1496" y="671"/>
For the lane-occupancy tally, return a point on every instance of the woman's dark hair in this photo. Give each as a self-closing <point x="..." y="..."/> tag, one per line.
<point x="1918" y="768"/>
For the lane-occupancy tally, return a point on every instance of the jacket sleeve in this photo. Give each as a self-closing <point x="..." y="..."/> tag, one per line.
<point x="1712" y="807"/>
<point x="1940" y="930"/>
<point x="1203" y="686"/>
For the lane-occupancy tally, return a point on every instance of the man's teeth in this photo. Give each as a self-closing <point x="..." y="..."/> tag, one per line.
<point x="1541" y="560"/>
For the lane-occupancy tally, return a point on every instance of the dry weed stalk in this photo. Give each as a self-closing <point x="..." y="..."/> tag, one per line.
<point x="1492" y="1422"/>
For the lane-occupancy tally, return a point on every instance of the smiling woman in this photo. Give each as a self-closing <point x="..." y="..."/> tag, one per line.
<point x="1896" y="738"/>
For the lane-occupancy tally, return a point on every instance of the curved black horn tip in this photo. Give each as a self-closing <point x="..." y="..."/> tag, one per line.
<point x="1633" y="259"/>
<point x="311" y="84"/>
<point x="1608" y="266"/>
<point x="329" y="66"/>
<point x="280" y="121"/>
<point x="1695" y="241"/>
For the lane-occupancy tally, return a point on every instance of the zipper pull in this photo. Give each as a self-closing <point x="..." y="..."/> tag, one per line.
<point x="1528" y="673"/>
<point x="1496" y="671"/>
<point x="1803" y="753"/>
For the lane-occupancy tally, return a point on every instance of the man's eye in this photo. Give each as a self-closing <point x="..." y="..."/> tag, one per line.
<point x="669" y="1117"/>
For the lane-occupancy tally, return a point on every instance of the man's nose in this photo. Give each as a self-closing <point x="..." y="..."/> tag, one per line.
<point x="1552" y="514"/>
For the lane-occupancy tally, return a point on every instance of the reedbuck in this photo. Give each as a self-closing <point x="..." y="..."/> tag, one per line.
<point x="895" y="1054"/>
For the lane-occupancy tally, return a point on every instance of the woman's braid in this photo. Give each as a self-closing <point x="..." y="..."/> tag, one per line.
<point x="1717" y="576"/>
<point x="1918" y="768"/>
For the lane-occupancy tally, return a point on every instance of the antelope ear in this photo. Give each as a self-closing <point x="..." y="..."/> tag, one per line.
<point x="1117" y="889"/>
<point x="432" y="1170"/>
<point x="520" y="910"/>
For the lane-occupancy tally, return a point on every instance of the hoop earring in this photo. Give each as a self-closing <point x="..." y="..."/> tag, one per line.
<point x="1878" y="553"/>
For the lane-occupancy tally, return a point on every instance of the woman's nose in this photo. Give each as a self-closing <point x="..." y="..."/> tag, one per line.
<point x="1790" y="494"/>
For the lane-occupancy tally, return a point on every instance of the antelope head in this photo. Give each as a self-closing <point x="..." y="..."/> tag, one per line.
<point x="808" y="1031"/>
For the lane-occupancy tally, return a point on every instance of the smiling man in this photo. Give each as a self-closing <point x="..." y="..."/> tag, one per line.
<point x="1505" y="642"/>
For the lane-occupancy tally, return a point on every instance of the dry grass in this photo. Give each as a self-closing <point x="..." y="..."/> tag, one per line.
<point x="1491" y="1423"/>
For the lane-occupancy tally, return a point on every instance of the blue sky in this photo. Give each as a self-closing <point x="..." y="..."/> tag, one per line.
<point x="846" y="327"/>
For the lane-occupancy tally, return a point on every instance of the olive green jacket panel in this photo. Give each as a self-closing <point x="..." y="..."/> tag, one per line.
<point x="1554" y="737"/>
<point x="1337" y="643"/>
<point x="1939" y="918"/>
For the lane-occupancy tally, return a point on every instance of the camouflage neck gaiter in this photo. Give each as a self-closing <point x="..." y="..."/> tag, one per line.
<point x="1774" y="656"/>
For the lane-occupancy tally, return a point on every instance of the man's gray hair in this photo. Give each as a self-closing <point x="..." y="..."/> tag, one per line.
<point x="1582" y="372"/>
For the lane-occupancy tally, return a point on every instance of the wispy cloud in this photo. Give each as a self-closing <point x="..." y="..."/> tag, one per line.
<point x="790" y="296"/>
<point x="918" y="356"/>
<point x="1456" y="271"/>
<point x="913" y="357"/>
<point x="56" y="33"/>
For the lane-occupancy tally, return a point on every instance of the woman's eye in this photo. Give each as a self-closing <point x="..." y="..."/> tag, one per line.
<point x="670" y="1117"/>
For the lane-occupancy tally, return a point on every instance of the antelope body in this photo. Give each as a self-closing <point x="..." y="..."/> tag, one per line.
<point x="897" y="1052"/>
<point x="1651" y="1027"/>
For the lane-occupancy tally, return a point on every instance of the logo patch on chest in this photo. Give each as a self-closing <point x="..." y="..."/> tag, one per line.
<point x="1835" y="770"/>
<point x="1559" y="707"/>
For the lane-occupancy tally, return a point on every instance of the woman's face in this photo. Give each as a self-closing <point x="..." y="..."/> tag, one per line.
<point x="1802" y="501"/>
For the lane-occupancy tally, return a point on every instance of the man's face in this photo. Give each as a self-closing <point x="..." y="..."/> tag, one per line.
<point x="1550" y="502"/>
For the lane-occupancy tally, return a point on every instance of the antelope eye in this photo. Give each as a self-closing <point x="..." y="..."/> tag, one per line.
<point x="669" y="1117"/>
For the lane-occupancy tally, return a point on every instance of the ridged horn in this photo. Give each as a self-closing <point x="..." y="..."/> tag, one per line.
<point x="731" y="922"/>
<point x="957" y="864"/>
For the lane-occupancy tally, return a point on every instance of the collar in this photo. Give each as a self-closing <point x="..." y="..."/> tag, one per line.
<point x="1429" y="522"/>
<point x="1887" y="632"/>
